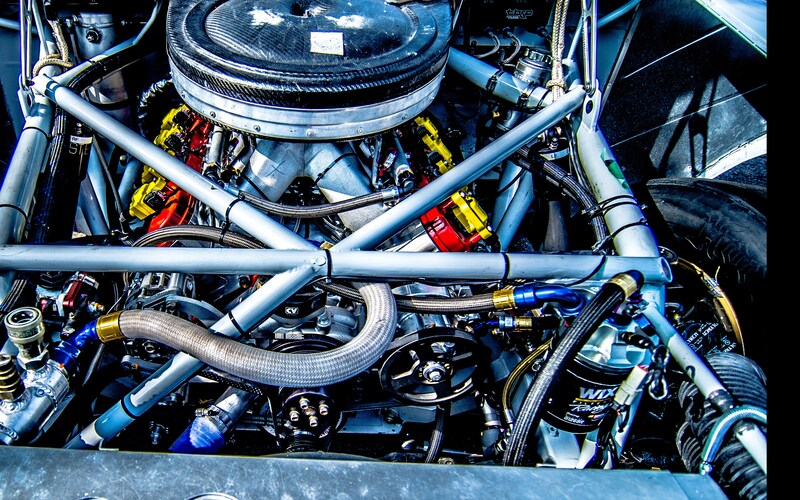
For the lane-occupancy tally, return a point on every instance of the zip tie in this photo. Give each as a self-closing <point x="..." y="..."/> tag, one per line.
<point x="600" y="244"/>
<point x="606" y="206"/>
<point x="227" y="224"/>
<point x="329" y="261"/>
<point x="236" y="324"/>
<point x="506" y="269"/>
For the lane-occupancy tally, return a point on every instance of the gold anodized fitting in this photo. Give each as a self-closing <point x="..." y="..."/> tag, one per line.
<point x="626" y="282"/>
<point x="108" y="328"/>
<point x="523" y="322"/>
<point x="504" y="299"/>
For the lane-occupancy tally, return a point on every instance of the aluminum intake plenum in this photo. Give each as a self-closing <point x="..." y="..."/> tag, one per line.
<point x="308" y="69"/>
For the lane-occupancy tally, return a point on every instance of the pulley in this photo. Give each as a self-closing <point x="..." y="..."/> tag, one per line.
<point x="432" y="366"/>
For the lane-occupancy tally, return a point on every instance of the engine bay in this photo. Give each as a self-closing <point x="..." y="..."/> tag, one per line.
<point x="385" y="230"/>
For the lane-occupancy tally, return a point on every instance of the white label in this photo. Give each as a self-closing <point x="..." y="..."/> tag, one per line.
<point x="327" y="43"/>
<point x="76" y="139"/>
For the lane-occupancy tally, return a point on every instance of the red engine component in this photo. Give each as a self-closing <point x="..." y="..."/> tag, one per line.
<point x="178" y="204"/>
<point x="442" y="230"/>
<point x="444" y="233"/>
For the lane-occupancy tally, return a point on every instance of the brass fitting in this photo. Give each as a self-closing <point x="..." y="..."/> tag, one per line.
<point x="504" y="299"/>
<point x="25" y="327"/>
<point x="10" y="382"/>
<point x="108" y="328"/>
<point x="626" y="282"/>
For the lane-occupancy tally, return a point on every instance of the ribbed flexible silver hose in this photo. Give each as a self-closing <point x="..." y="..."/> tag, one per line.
<point x="276" y="368"/>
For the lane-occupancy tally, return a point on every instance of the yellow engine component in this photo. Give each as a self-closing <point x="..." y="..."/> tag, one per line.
<point x="470" y="214"/>
<point x="152" y="181"/>
<point x="433" y="142"/>
<point x="466" y="210"/>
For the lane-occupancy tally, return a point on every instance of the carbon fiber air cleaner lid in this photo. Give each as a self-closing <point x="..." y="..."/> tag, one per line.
<point x="308" y="69"/>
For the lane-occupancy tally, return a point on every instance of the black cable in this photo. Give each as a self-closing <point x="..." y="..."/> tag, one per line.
<point x="121" y="222"/>
<point x="333" y="164"/>
<point x="247" y="179"/>
<point x="603" y="259"/>
<point x="598" y="247"/>
<point x="437" y="436"/>
<point x="511" y="183"/>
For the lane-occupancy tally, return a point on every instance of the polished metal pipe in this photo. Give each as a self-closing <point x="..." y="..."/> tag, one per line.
<point x="512" y="218"/>
<point x="506" y="86"/>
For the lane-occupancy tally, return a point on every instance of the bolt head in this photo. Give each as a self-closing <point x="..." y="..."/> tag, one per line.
<point x="93" y="36"/>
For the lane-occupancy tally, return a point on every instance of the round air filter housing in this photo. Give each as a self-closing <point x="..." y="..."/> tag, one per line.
<point x="308" y="69"/>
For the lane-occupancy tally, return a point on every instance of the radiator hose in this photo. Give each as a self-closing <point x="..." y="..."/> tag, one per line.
<point x="268" y="367"/>
<point x="613" y="293"/>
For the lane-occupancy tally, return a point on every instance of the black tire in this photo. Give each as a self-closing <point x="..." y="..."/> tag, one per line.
<point x="714" y="225"/>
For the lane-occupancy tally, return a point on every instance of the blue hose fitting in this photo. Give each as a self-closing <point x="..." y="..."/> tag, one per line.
<point x="533" y="296"/>
<point x="202" y="436"/>
<point x="67" y="352"/>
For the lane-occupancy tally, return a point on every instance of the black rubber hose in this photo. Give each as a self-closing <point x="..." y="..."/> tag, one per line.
<point x="613" y="293"/>
<point x="437" y="436"/>
<point x="312" y="211"/>
<point x="57" y="193"/>
<point x="106" y="65"/>
<point x="562" y="179"/>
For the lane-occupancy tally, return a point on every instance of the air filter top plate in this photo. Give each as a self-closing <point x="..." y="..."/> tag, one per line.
<point x="308" y="69"/>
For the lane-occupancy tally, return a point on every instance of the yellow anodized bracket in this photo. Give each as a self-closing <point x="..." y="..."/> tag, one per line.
<point x="151" y="180"/>
<point x="467" y="210"/>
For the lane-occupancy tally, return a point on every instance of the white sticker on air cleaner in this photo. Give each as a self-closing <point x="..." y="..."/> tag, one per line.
<point x="326" y="42"/>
